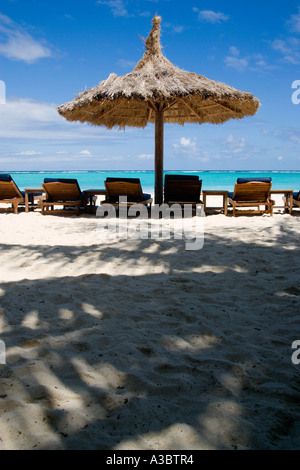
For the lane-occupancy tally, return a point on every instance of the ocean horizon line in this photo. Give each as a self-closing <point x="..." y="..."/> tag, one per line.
<point x="211" y="179"/>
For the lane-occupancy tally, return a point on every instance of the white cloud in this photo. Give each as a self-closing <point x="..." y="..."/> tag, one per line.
<point x="117" y="7"/>
<point x="281" y="46"/>
<point x="126" y="63"/>
<point x="186" y="142"/>
<point x="294" y="22"/>
<point x="295" y="138"/>
<point x="178" y="29"/>
<point x="17" y="44"/>
<point x="186" y="146"/>
<point x="146" y="156"/>
<point x="234" y="60"/>
<point x="30" y="152"/>
<point x="211" y="16"/>
<point x="254" y="62"/>
<point x="34" y="136"/>
<point x="234" y="51"/>
<point x="69" y="17"/>
<point x="236" y="63"/>
<point x="25" y="118"/>
<point x="122" y="7"/>
<point x="234" y="145"/>
<point x="32" y="120"/>
<point x="289" y="48"/>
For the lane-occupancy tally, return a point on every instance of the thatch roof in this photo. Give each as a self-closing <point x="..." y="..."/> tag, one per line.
<point x="156" y="84"/>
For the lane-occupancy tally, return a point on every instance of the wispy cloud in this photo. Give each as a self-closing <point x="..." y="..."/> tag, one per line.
<point x="69" y="17"/>
<point x="34" y="136"/>
<point x="286" y="134"/>
<point x="30" y="152"/>
<point x="129" y="8"/>
<point x="146" y="156"/>
<point x="288" y="48"/>
<point x="294" y="22"/>
<point x="234" y="145"/>
<point x="188" y="148"/>
<point x="86" y="153"/>
<point x="211" y="16"/>
<point x="117" y="7"/>
<point x="178" y="29"/>
<point x="126" y="64"/>
<point x="186" y="145"/>
<point x="36" y="121"/>
<point x="252" y="62"/>
<point x="173" y="28"/>
<point x="17" y="44"/>
<point x="237" y="63"/>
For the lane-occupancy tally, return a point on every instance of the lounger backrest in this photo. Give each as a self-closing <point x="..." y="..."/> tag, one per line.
<point x="129" y="187"/>
<point x="252" y="190"/>
<point x="8" y="188"/>
<point x="62" y="190"/>
<point x="182" y="188"/>
<point x="255" y="180"/>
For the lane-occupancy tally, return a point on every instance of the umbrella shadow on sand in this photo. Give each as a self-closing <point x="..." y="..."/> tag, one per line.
<point x="195" y="357"/>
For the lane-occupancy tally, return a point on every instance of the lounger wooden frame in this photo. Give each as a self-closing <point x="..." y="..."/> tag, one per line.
<point x="252" y="194"/>
<point x="64" y="194"/>
<point x="10" y="194"/>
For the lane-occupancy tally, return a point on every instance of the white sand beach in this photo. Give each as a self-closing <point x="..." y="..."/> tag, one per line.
<point x="141" y="344"/>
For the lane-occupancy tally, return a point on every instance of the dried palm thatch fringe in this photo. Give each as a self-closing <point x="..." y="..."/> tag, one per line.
<point x="154" y="85"/>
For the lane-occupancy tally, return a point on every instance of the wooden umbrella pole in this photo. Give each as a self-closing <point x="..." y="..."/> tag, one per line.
<point x="159" y="156"/>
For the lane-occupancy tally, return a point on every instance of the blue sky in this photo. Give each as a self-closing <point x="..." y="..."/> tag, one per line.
<point x="50" y="51"/>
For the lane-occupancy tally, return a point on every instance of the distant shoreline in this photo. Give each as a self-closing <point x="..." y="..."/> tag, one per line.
<point x="150" y="171"/>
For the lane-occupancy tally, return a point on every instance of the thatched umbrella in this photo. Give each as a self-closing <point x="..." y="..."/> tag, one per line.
<point x="156" y="91"/>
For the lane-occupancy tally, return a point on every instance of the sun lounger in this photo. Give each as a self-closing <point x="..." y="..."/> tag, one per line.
<point x="296" y="200"/>
<point x="10" y="193"/>
<point x="182" y="189"/>
<point x="129" y="188"/>
<point x="251" y="192"/>
<point x="61" y="192"/>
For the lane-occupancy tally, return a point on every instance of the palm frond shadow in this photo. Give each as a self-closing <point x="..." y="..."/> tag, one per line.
<point x="164" y="358"/>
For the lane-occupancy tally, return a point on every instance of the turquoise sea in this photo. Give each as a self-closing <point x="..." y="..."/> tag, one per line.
<point x="217" y="180"/>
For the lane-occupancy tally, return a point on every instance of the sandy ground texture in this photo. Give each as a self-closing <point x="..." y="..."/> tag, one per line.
<point x="142" y="344"/>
